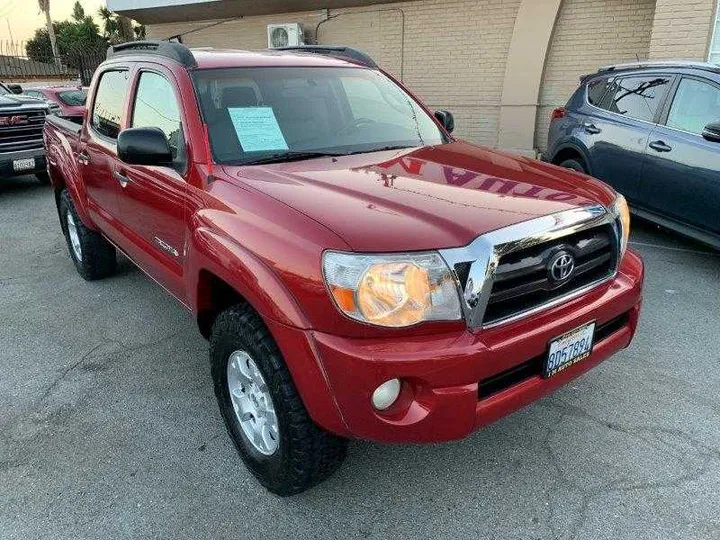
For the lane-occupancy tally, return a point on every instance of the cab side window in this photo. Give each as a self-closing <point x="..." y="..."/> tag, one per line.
<point x="696" y="105"/>
<point x="109" y="101"/>
<point x="156" y="106"/>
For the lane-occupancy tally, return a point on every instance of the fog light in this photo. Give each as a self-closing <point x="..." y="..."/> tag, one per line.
<point x="386" y="394"/>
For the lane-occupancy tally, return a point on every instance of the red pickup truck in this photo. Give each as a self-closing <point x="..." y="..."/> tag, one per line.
<point x="358" y="272"/>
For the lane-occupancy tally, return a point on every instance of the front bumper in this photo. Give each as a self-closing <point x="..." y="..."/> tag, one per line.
<point x="456" y="383"/>
<point x="7" y="159"/>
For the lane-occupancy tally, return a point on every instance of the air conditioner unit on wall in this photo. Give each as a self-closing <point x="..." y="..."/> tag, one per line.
<point x="285" y="35"/>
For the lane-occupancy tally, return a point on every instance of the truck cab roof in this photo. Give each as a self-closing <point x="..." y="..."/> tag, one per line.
<point x="210" y="58"/>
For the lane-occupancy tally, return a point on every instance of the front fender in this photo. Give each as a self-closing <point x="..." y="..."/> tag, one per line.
<point x="258" y="284"/>
<point x="246" y="273"/>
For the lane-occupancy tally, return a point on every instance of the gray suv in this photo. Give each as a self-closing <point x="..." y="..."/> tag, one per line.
<point x="652" y="131"/>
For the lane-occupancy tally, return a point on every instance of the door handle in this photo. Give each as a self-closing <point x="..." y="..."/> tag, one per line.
<point x="121" y="178"/>
<point x="591" y="128"/>
<point x="83" y="158"/>
<point x="660" y="146"/>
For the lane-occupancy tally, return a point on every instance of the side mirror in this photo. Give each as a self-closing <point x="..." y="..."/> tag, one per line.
<point x="712" y="132"/>
<point x="446" y="119"/>
<point x="15" y="88"/>
<point x="144" y="146"/>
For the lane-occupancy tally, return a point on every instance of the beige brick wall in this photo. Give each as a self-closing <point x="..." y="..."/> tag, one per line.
<point x="455" y="51"/>
<point x="245" y="33"/>
<point x="454" y="56"/>
<point x="682" y="29"/>
<point x="589" y="34"/>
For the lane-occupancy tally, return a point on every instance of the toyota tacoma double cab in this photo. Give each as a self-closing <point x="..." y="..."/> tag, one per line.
<point x="21" y="135"/>
<point x="359" y="272"/>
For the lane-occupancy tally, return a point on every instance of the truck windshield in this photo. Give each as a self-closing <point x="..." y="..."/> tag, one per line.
<point x="263" y="114"/>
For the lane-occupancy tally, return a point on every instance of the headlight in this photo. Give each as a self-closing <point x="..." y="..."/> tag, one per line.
<point x="621" y="211"/>
<point x="392" y="290"/>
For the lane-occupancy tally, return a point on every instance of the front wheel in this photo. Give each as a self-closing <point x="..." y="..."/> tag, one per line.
<point x="575" y="165"/>
<point x="263" y="413"/>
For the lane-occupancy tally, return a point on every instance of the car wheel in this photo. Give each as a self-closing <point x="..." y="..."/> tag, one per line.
<point x="43" y="177"/>
<point x="94" y="257"/>
<point x="263" y="413"/>
<point x="575" y="165"/>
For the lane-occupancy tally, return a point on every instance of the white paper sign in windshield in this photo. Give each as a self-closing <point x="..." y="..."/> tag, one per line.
<point x="257" y="129"/>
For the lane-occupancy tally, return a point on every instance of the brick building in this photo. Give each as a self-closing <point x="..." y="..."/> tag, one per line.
<point x="500" y="66"/>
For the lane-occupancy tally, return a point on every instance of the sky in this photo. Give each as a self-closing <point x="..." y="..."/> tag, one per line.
<point x="24" y="16"/>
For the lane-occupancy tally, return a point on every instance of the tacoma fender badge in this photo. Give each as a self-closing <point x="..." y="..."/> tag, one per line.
<point x="165" y="246"/>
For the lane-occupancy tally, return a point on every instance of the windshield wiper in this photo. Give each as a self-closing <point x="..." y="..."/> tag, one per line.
<point x="282" y="157"/>
<point x="381" y="149"/>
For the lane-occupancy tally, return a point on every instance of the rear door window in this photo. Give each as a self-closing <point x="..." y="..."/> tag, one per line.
<point x="637" y="97"/>
<point x="109" y="102"/>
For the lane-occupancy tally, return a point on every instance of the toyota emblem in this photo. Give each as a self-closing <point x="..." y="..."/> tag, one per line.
<point x="561" y="266"/>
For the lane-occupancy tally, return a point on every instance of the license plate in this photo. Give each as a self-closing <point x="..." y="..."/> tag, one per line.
<point x="23" y="164"/>
<point x="569" y="349"/>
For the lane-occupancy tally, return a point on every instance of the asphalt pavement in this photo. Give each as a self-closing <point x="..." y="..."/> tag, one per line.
<point x="109" y="427"/>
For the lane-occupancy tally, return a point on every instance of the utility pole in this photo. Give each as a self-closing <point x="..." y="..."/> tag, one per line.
<point x="12" y="41"/>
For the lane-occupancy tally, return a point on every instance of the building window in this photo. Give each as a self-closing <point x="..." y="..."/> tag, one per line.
<point x="715" y="47"/>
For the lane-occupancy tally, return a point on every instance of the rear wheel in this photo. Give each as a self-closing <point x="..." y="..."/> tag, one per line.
<point x="94" y="257"/>
<point x="263" y="413"/>
<point x="575" y="165"/>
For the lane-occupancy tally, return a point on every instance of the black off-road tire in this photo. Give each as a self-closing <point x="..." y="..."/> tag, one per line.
<point x="43" y="177"/>
<point x="306" y="454"/>
<point x="99" y="257"/>
<point x="575" y="165"/>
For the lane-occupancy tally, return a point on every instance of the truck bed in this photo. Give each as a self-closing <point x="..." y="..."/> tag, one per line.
<point x="62" y="142"/>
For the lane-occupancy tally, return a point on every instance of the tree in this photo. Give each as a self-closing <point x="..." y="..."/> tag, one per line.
<point x="39" y="47"/>
<point x="118" y="28"/>
<point x="75" y="38"/>
<point x="44" y="6"/>
<point x="68" y="41"/>
<point x="78" y="13"/>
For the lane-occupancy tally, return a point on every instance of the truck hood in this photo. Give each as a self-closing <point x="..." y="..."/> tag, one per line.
<point x="425" y="198"/>
<point x="18" y="100"/>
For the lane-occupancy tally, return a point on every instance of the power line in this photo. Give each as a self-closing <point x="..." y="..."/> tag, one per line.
<point x="8" y="8"/>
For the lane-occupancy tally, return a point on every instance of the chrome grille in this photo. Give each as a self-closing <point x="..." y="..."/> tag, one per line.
<point x="522" y="280"/>
<point x="24" y="136"/>
<point x="507" y="274"/>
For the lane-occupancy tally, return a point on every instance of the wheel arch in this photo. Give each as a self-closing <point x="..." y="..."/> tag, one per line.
<point x="78" y="194"/>
<point x="571" y="151"/>
<point x="226" y="273"/>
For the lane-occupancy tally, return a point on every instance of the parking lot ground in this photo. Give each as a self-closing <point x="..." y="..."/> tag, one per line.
<point x="109" y="427"/>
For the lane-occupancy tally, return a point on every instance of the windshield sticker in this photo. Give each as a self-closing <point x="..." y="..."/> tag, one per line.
<point x="257" y="128"/>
